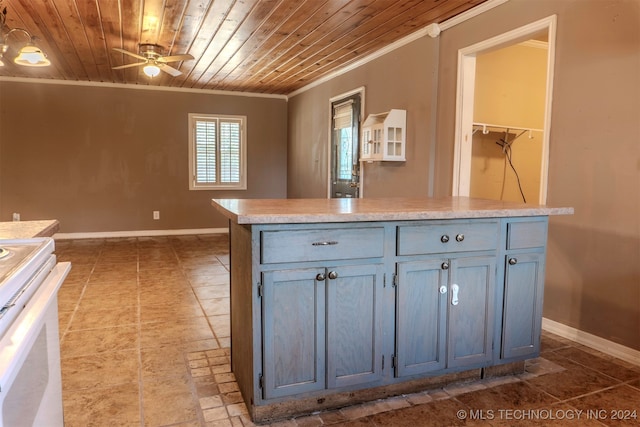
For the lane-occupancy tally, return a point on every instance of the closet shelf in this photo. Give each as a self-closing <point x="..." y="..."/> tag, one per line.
<point x="488" y="127"/>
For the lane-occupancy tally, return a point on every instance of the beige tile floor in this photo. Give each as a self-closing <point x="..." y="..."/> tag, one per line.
<point x="144" y="327"/>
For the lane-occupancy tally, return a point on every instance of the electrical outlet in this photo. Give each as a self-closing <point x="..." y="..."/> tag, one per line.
<point x="16" y="216"/>
<point x="156" y="214"/>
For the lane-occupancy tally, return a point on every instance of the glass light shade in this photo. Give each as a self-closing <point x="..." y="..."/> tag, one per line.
<point x="3" y="49"/>
<point x="31" y="56"/>
<point x="151" y="70"/>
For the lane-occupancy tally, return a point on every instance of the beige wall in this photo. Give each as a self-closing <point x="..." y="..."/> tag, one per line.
<point x="510" y="89"/>
<point x="511" y="86"/>
<point x="593" y="268"/>
<point x="402" y="79"/>
<point x="103" y="158"/>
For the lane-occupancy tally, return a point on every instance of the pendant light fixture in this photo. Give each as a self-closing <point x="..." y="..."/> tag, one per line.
<point x="29" y="55"/>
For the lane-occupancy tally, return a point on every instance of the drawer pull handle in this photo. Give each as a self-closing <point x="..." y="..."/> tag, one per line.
<point x="454" y="294"/>
<point x="444" y="239"/>
<point x="329" y="243"/>
<point x="320" y="277"/>
<point x="459" y="237"/>
<point x="333" y="275"/>
<point x="513" y="261"/>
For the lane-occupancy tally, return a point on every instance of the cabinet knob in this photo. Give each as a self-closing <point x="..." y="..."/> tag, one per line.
<point x="459" y="237"/>
<point x="333" y="275"/>
<point x="513" y="261"/>
<point x="320" y="277"/>
<point x="444" y="266"/>
<point x="444" y="238"/>
<point x="443" y="289"/>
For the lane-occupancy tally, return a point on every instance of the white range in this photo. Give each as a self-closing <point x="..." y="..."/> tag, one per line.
<point x="30" y="378"/>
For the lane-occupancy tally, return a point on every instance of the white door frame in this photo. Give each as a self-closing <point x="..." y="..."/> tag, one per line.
<point x="465" y="97"/>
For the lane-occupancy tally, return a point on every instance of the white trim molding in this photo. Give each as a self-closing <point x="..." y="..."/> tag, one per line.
<point x="141" y="87"/>
<point x="597" y="343"/>
<point x="139" y="233"/>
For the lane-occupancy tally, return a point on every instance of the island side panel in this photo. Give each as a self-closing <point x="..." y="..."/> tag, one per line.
<point x="241" y="292"/>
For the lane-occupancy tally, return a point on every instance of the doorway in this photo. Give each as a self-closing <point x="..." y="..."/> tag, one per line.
<point x="345" y="145"/>
<point x="500" y="153"/>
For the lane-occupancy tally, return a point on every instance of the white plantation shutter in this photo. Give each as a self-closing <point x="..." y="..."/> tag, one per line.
<point x="205" y="151"/>
<point x="217" y="152"/>
<point x="229" y="151"/>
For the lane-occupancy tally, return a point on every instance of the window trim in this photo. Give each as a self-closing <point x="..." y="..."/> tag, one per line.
<point x="242" y="184"/>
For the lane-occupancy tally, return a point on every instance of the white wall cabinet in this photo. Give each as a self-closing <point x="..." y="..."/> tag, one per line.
<point x="384" y="136"/>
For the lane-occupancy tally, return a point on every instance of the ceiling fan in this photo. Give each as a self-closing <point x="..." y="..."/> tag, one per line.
<point x="153" y="61"/>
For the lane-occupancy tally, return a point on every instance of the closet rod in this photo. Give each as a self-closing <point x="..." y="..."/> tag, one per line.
<point x="485" y="127"/>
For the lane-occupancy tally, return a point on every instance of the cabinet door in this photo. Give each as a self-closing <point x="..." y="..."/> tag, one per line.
<point x="293" y="307"/>
<point x="471" y="311"/>
<point x="421" y="316"/>
<point x="354" y="328"/>
<point x="522" y="315"/>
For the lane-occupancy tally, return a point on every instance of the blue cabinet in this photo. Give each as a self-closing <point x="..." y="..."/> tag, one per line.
<point x="471" y="311"/>
<point x="421" y="309"/>
<point x="445" y="304"/>
<point x="293" y="330"/>
<point x="523" y="265"/>
<point x="321" y="328"/>
<point x="317" y="308"/>
<point x="321" y="325"/>
<point x="522" y="312"/>
<point x="354" y="325"/>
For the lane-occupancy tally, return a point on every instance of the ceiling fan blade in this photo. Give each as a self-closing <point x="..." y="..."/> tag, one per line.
<point x="169" y="70"/>
<point x="126" y="52"/>
<point x="135" y="64"/>
<point x="172" y="58"/>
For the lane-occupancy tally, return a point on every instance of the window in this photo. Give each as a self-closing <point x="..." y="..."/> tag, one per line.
<point x="217" y="152"/>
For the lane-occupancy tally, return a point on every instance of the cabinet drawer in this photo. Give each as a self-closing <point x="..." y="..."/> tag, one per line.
<point x="321" y="244"/>
<point x="443" y="237"/>
<point x="526" y="234"/>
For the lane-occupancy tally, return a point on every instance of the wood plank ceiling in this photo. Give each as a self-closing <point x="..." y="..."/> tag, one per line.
<point x="264" y="46"/>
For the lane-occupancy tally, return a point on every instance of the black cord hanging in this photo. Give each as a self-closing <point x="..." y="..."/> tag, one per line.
<point x="506" y="149"/>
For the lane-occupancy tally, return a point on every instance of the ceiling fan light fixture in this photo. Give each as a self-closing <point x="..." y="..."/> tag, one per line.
<point x="151" y="70"/>
<point x="31" y="56"/>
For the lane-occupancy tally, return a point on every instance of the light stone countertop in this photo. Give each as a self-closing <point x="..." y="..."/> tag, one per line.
<point x="28" y="229"/>
<point x="301" y="211"/>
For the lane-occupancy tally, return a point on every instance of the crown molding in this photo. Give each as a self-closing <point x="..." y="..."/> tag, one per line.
<point x="425" y="31"/>
<point x="141" y="87"/>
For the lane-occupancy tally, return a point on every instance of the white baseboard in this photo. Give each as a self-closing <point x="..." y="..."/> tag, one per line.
<point x="608" y="347"/>
<point x="138" y="233"/>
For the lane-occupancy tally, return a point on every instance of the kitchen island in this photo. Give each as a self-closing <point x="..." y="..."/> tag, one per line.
<point x="338" y="301"/>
